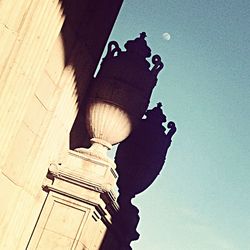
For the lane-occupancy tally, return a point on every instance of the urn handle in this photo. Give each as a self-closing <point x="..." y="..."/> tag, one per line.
<point x="158" y="65"/>
<point x="172" y="129"/>
<point x="113" y="48"/>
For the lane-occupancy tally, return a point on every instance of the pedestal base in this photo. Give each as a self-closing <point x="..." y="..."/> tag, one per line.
<point x="79" y="205"/>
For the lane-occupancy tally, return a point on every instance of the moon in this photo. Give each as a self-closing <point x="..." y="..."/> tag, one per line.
<point x="166" y="36"/>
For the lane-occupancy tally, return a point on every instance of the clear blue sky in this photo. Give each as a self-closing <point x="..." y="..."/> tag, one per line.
<point x="201" y="200"/>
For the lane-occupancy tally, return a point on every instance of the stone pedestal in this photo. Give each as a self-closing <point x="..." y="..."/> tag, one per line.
<point x="79" y="205"/>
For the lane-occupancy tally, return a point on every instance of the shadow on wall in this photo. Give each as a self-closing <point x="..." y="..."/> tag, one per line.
<point x="87" y="26"/>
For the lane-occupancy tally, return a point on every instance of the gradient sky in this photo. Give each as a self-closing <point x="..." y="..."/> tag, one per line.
<point x="201" y="200"/>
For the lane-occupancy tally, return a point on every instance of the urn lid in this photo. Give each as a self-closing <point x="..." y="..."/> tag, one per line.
<point x="138" y="46"/>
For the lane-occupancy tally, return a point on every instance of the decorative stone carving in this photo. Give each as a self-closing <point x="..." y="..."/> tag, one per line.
<point x="139" y="160"/>
<point x="118" y="99"/>
<point x="141" y="156"/>
<point x="120" y="93"/>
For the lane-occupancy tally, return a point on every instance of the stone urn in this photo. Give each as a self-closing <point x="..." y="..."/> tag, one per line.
<point x="141" y="157"/>
<point x="120" y="93"/>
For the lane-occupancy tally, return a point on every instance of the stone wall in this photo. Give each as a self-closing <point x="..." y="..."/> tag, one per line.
<point x="49" y="50"/>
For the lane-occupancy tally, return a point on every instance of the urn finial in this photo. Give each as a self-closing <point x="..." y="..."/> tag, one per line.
<point x="139" y="46"/>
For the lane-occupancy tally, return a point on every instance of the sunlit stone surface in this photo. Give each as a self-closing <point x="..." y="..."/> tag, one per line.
<point x="54" y="197"/>
<point x="47" y="59"/>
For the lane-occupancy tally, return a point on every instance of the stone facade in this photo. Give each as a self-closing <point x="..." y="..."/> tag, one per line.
<point x="49" y="51"/>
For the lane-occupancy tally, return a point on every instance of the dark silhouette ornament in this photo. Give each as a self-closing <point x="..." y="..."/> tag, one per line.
<point x="139" y="160"/>
<point x="141" y="156"/>
<point x="121" y="91"/>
